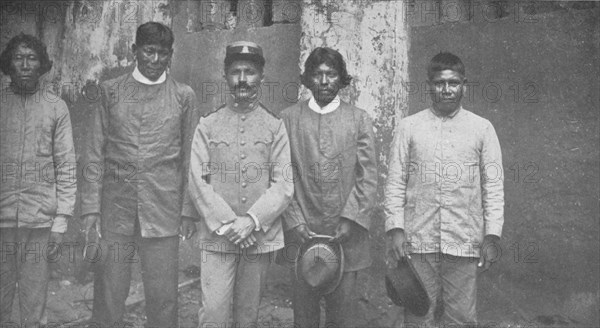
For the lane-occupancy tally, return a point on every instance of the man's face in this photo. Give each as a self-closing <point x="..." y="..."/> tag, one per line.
<point x="447" y="89"/>
<point x="25" y="67"/>
<point x="152" y="59"/>
<point x="325" y="84"/>
<point x="244" y="78"/>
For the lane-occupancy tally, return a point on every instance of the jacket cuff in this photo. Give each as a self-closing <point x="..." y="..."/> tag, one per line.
<point x="65" y="210"/>
<point x="90" y="209"/>
<point x="190" y="212"/>
<point x="60" y="224"/>
<point x="394" y="222"/>
<point x="492" y="228"/>
<point x="256" y="222"/>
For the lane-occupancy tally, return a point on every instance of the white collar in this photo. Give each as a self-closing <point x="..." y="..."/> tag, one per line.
<point x="138" y="76"/>
<point x="332" y="106"/>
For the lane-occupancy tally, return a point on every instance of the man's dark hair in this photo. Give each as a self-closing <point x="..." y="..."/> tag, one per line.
<point x="31" y="42"/>
<point x="154" y="33"/>
<point x="323" y="55"/>
<point x="445" y="61"/>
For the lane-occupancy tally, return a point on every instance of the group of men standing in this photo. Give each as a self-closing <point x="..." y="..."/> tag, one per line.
<point x="166" y="173"/>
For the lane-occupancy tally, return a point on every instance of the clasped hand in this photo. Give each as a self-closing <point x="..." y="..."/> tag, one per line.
<point x="240" y="232"/>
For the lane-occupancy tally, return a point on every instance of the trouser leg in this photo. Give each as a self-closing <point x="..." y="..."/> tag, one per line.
<point x="160" y="269"/>
<point x="217" y="279"/>
<point x="112" y="279"/>
<point x="341" y="304"/>
<point x="33" y="275"/>
<point x="250" y="280"/>
<point x="459" y="277"/>
<point x="8" y="272"/>
<point x="305" y="302"/>
<point x="427" y="267"/>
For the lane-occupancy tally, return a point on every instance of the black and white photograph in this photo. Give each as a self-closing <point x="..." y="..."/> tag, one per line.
<point x="299" y="163"/>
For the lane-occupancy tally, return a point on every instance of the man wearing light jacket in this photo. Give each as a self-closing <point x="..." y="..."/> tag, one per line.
<point x="37" y="191"/>
<point x="238" y="187"/>
<point x="444" y="198"/>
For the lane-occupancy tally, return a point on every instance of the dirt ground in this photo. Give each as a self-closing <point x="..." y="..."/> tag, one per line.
<point x="69" y="303"/>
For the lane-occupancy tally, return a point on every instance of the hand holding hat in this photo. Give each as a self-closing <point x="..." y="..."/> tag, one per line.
<point x="490" y="252"/>
<point x="302" y="233"/>
<point x="398" y="247"/>
<point x="344" y="230"/>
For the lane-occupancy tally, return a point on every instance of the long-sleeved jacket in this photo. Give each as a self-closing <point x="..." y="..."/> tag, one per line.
<point x="335" y="175"/>
<point x="38" y="159"/>
<point x="136" y="156"/>
<point x="445" y="182"/>
<point x="238" y="167"/>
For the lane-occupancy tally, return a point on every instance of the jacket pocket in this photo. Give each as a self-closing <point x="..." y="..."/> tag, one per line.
<point x="263" y="145"/>
<point x="43" y="136"/>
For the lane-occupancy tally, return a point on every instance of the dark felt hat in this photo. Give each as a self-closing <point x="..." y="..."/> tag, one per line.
<point x="405" y="288"/>
<point x="244" y="50"/>
<point x="320" y="264"/>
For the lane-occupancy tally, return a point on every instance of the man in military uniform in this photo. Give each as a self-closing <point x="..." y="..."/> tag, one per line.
<point x="237" y="185"/>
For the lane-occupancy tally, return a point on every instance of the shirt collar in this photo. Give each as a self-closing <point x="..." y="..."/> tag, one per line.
<point x="332" y="106"/>
<point x="450" y="116"/>
<point x="138" y="76"/>
<point x="241" y="107"/>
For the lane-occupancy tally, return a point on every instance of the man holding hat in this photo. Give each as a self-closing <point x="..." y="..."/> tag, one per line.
<point x="333" y="154"/>
<point x="444" y="199"/>
<point x="238" y="187"/>
<point x="141" y="132"/>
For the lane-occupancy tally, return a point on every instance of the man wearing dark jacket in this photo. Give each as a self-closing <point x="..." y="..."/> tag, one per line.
<point x="135" y="167"/>
<point x="333" y="150"/>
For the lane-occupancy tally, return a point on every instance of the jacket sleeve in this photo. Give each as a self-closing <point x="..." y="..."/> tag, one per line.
<point x="292" y="216"/>
<point x="362" y="197"/>
<point x="396" y="182"/>
<point x="64" y="161"/>
<point x="93" y="156"/>
<point x="492" y="183"/>
<point x="189" y="123"/>
<point x="211" y="207"/>
<point x="276" y="198"/>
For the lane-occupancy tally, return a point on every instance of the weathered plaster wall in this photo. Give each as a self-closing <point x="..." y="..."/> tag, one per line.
<point x="86" y="39"/>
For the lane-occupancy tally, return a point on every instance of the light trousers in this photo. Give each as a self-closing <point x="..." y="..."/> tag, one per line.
<point x="453" y="281"/>
<point x="232" y="283"/>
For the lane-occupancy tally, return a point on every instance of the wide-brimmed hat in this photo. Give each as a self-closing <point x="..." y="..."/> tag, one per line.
<point x="320" y="263"/>
<point x="405" y="288"/>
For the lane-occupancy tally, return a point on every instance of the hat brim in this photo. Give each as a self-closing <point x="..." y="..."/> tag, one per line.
<point x="405" y="288"/>
<point x="331" y="285"/>
<point x="255" y="58"/>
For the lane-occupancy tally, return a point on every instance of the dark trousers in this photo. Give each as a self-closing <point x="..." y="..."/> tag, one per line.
<point x="24" y="260"/>
<point x="340" y="305"/>
<point x="159" y="257"/>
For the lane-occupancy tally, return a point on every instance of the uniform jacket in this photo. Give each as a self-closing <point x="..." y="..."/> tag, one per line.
<point x="238" y="167"/>
<point x="335" y="175"/>
<point x="136" y="157"/>
<point x="445" y="182"/>
<point x="38" y="159"/>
